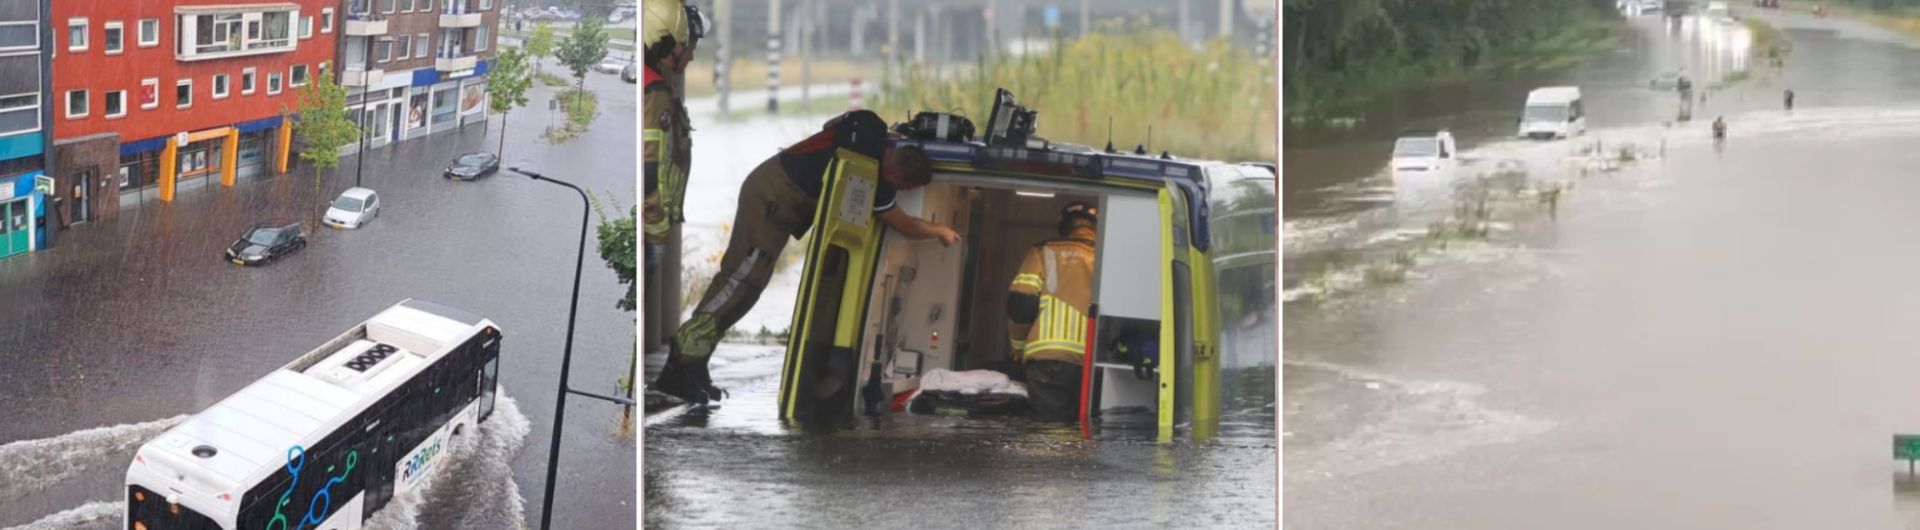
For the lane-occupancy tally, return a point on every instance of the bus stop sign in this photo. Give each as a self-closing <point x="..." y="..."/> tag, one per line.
<point x="1906" y="447"/>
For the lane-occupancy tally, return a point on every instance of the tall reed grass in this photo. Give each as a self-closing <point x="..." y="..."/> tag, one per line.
<point x="1215" y="102"/>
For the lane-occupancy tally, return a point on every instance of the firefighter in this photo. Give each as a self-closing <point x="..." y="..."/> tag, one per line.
<point x="1047" y="314"/>
<point x="777" y="202"/>
<point x="673" y="32"/>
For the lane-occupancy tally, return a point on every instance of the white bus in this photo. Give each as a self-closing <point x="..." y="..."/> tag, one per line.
<point x="325" y="442"/>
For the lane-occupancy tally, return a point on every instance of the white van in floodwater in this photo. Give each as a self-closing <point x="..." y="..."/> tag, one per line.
<point x="1553" y="112"/>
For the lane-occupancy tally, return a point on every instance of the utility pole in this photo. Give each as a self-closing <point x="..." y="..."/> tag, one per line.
<point x="773" y="57"/>
<point x="360" y="154"/>
<point x="723" y="57"/>
<point x="893" y="31"/>
<point x="1086" y="16"/>
<point x="1184" y="24"/>
<point x="1226" y="18"/>
<point x="806" y="52"/>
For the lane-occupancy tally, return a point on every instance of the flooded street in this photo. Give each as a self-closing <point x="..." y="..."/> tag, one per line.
<point x="133" y="322"/>
<point x="1699" y="336"/>
<point x="741" y="466"/>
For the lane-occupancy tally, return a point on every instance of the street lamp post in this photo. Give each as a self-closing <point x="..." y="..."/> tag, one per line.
<point x="566" y="357"/>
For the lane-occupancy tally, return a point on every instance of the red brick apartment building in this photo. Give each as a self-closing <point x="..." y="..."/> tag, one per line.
<point x="154" y="96"/>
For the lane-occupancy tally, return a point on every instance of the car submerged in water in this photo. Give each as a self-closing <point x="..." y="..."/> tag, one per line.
<point x="1184" y="246"/>
<point x="266" y="243"/>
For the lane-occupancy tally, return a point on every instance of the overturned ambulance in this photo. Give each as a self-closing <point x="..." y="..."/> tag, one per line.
<point x="881" y="310"/>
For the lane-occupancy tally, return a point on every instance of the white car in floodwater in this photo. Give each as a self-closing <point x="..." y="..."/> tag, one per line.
<point x="1423" y="154"/>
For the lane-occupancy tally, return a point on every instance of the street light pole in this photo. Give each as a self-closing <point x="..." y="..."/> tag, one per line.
<point x="360" y="155"/>
<point x="566" y="356"/>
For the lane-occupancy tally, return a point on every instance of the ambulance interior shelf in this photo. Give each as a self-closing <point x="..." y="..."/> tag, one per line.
<point x="941" y="307"/>
<point x="1120" y="346"/>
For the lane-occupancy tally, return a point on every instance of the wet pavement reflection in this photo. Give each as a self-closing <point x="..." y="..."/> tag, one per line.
<point x="138" y="318"/>
<point x="741" y="466"/>
<point x="1703" y="336"/>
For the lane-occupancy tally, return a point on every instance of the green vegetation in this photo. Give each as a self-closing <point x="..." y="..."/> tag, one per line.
<point x="509" y="80"/>
<point x="581" y="106"/>
<point x="618" y="248"/>
<point x="585" y="47"/>
<point x="552" y="79"/>
<point x="1216" y="102"/>
<point x="1341" y="53"/>
<point x="323" y="128"/>
<point x="540" y="43"/>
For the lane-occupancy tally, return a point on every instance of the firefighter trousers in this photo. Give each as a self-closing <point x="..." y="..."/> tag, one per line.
<point x="771" y="210"/>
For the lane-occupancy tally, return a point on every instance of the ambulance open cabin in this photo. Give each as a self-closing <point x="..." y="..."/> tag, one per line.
<point x="330" y="439"/>
<point x="881" y="310"/>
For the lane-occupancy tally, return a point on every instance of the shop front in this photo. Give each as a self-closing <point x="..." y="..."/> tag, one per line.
<point x="22" y="217"/>
<point x="381" y="112"/>
<point x="449" y="99"/>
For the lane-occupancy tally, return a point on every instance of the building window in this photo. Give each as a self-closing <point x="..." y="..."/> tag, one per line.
<point x="406" y="44"/>
<point x="306" y="27"/>
<point x="219" y="86"/>
<point x="420" y="44"/>
<point x="326" y="20"/>
<point x="480" y="39"/>
<point x="76" y="34"/>
<point x="383" y="50"/>
<point x="237" y="33"/>
<point x="273" y="82"/>
<point x="246" y="81"/>
<point x="116" y="104"/>
<point x="150" y="33"/>
<point x="183" y="94"/>
<point x="114" y="40"/>
<point x="406" y="6"/>
<point x="19" y="36"/>
<point x="486" y="4"/>
<point x="150" y="93"/>
<point x="298" y="76"/>
<point x="386" y="6"/>
<point x="19" y="113"/>
<point x="76" y="104"/>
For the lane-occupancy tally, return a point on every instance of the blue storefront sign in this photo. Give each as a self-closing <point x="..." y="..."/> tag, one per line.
<point x="22" y="211"/>
<point x="425" y="77"/>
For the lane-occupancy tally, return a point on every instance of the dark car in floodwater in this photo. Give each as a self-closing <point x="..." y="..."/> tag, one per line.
<point x="472" y="166"/>
<point x="267" y="243"/>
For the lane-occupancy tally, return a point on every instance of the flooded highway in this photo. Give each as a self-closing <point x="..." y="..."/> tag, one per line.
<point x="1694" y="336"/>
<point x="133" y="322"/>
<point x="741" y="466"/>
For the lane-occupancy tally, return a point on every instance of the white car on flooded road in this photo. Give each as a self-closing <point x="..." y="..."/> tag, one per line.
<point x="1423" y="154"/>
<point x="353" y="209"/>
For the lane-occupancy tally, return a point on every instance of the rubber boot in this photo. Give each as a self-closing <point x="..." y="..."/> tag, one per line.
<point x="676" y="379"/>
<point x="701" y="381"/>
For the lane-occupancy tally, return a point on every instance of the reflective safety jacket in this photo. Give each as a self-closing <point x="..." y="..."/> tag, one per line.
<point x="667" y="154"/>
<point x="1047" y="303"/>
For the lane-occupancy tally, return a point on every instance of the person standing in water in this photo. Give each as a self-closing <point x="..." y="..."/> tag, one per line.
<point x="1789" y="99"/>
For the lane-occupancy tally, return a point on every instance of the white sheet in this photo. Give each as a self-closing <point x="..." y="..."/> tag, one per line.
<point x="970" y="382"/>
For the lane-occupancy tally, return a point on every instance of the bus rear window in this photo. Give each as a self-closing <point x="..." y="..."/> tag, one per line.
<point x="147" y="510"/>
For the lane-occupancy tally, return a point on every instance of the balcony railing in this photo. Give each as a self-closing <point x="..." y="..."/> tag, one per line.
<point x="455" y="61"/>
<point x="359" y="75"/>
<point x="459" y="15"/>
<point x="366" y="24"/>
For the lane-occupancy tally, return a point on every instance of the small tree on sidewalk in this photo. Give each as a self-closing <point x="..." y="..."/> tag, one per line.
<point x="540" y="43"/>
<point x="580" y="51"/>
<point x="618" y="248"/>
<point x="509" y="80"/>
<point x="322" y="125"/>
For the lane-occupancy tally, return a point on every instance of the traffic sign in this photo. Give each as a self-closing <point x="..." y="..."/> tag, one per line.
<point x="1053" y="16"/>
